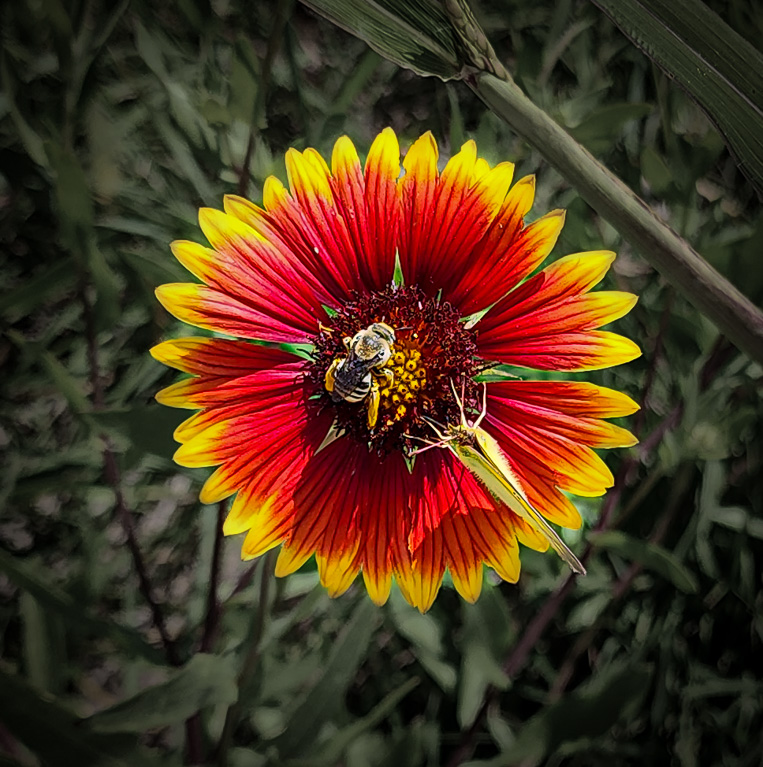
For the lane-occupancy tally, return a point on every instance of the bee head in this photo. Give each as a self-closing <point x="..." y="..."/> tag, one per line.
<point x="384" y="331"/>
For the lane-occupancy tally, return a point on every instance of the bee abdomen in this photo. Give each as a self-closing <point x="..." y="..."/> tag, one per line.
<point x="351" y="390"/>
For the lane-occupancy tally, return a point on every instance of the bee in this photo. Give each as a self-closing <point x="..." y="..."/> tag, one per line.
<point x="356" y="376"/>
<point x="480" y="453"/>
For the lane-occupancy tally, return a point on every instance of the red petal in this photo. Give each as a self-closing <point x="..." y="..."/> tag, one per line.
<point x="507" y="254"/>
<point x="218" y="357"/>
<point x="507" y="399"/>
<point x="548" y="322"/>
<point x="571" y="397"/>
<point x="383" y="208"/>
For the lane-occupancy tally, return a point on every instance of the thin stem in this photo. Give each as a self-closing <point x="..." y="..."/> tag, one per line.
<point x="194" y="743"/>
<point x="113" y="477"/>
<point x="622" y="586"/>
<point x="111" y="471"/>
<point x="251" y="660"/>
<point x="212" y="619"/>
<point x="245" y="580"/>
<point x="537" y="626"/>
<point x="283" y="11"/>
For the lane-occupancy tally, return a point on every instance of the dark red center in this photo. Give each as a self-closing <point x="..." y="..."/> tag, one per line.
<point x="432" y="349"/>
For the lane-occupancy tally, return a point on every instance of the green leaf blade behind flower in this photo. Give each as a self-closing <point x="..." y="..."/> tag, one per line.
<point x="651" y="556"/>
<point x="58" y="736"/>
<point x="206" y="680"/>
<point x="395" y="29"/>
<point x="715" y="65"/>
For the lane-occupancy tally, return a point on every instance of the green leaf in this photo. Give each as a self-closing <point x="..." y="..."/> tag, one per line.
<point x="479" y="671"/>
<point x="655" y="171"/>
<point x="398" y="278"/>
<point x="585" y="713"/>
<point x="425" y="635"/>
<point x="75" y="209"/>
<point x="322" y="700"/>
<point x="717" y="686"/>
<point x="75" y="205"/>
<point x="650" y="555"/>
<point x="44" y="659"/>
<point x="187" y="166"/>
<point x="33" y="143"/>
<point x="206" y="680"/>
<point x="719" y="69"/>
<point x="305" y="351"/>
<point x="63" y="380"/>
<point x="332" y="753"/>
<point x="148" y="427"/>
<point x="413" y="33"/>
<point x="607" y="122"/>
<point x="58" y="736"/>
<point x="487" y="638"/>
<point x="77" y="617"/>
<point x="49" y="284"/>
<point x="587" y="611"/>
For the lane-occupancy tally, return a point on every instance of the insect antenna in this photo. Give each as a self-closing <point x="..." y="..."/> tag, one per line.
<point x="436" y="428"/>
<point x="429" y="444"/>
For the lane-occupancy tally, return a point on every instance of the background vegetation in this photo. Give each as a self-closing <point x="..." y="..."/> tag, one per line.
<point x="132" y="634"/>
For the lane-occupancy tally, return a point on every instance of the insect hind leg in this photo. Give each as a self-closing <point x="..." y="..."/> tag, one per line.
<point x="483" y="412"/>
<point x="460" y="401"/>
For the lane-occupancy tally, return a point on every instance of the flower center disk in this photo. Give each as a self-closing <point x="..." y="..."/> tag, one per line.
<point x="431" y="349"/>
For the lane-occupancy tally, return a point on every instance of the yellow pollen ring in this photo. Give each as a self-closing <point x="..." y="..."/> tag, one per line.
<point x="410" y="378"/>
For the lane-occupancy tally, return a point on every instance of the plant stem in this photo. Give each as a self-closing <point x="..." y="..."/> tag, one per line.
<point x="213" y="605"/>
<point x="193" y="729"/>
<point x="621" y="587"/>
<point x="113" y="477"/>
<point x="274" y="43"/>
<point x="251" y="659"/>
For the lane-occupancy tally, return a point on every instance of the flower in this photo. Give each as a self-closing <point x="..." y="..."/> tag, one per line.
<point x="314" y="266"/>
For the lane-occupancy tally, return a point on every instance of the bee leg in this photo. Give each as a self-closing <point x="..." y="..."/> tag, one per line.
<point x="373" y="404"/>
<point x="330" y="374"/>
<point x="388" y="376"/>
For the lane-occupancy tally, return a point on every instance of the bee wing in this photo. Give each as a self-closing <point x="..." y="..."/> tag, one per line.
<point x="489" y="464"/>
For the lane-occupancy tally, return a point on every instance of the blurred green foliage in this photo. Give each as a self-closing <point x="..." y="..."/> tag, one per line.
<point x="117" y="121"/>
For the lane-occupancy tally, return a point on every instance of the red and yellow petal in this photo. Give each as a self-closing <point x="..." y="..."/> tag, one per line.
<point x="547" y="430"/>
<point x="550" y="321"/>
<point x="253" y="269"/>
<point x="444" y="217"/>
<point x="574" y="398"/>
<point x="218" y="357"/>
<point x="381" y="173"/>
<point x="514" y="401"/>
<point x="367" y="201"/>
<point x="204" y="307"/>
<point x="507" y="254"/>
